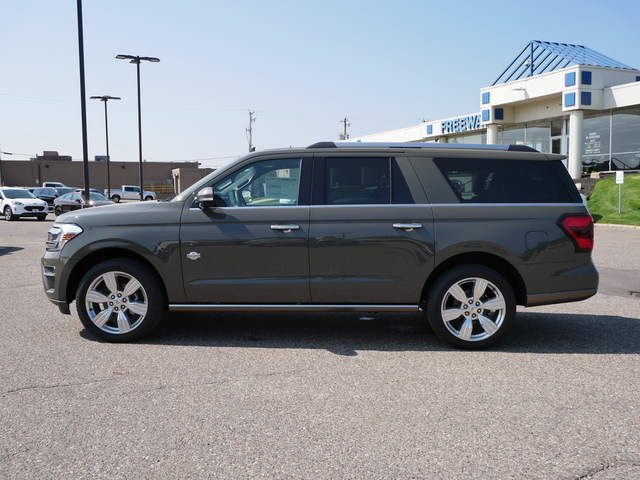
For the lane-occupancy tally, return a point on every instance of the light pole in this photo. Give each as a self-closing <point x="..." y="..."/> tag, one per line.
<point x="137" y="59"/>
<point x="105" y="99"/>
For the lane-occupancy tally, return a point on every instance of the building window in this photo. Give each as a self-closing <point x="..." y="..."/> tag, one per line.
<point x="596" y="133"/>
<point x="611" y="141"/>
<point x="538" y="136"/>
<point x="586" y="78"/>
<point x="585" y="98"/>
<point x="512" y="136"/>
<point x="569" y="79"/>
<point x="570" y="99"/>
<point x="486" y="98"/>
<point x="625" y="151"/>
<point x="469" y="138"/>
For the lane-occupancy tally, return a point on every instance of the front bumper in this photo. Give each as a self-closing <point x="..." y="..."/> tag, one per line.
<point x="28" y="211"/>
<point x="55" y="285"/>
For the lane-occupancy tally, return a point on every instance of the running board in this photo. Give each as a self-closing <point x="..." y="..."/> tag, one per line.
<point x="208" y="307"/>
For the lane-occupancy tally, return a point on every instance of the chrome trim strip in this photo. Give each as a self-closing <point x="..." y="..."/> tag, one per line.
<point x="503" y="204"/>
<point x="189" y="307"/>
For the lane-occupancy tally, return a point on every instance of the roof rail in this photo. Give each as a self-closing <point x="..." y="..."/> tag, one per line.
<point x="471" y="146"/>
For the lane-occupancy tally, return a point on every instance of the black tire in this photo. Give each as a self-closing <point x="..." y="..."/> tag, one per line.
<point x="480" y="320"/>
<point x="116" y="198"/>
<point x="8" y="214"/>
<point x="148" y="198"/>
<point x="41" y="217"/>
<point x="120" y="300"/>
<point x="58" y="211"/>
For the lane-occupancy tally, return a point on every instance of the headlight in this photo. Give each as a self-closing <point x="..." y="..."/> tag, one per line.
<point x="60" y="234"/>
<point x="15" y="202"/>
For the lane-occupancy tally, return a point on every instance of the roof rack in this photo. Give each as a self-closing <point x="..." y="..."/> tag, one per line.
<point x="510" y="148"/>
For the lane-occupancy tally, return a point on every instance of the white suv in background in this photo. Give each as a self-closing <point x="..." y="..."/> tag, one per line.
<point x="20" y="202"/>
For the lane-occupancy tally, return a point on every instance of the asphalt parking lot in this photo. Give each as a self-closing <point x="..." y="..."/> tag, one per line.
<point x="322" y="396"/>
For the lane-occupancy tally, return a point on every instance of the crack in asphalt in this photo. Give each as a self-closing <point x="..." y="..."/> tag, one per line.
<point x="152" y="389"/>
<point x="56" y="385"/>
<point x="607" y="466"/>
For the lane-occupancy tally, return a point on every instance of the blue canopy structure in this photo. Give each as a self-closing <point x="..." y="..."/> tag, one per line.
<point x="541" y="57"/>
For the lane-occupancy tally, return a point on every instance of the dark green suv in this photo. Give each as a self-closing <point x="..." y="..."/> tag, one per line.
<point x="463" y="232"/>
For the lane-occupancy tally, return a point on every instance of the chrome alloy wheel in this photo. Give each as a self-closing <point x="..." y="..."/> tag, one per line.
<point x="116" y="302"/>
<point x="473" y="309"/>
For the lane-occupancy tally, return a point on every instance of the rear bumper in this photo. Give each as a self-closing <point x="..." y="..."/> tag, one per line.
<point x="559" y="297"/>
<point x="564" y="285"/>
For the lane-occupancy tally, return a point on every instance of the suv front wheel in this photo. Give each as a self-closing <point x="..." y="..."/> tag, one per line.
<point x="471" y="307"/>
<point x="8" y="214"/>
<point x="119" y="300"/>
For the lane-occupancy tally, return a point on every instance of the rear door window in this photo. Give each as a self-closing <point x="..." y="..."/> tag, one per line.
<point x="364" y="181"/>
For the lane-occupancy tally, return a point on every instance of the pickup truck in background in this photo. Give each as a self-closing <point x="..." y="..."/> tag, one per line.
<point x="129" y="192"/>
<point x="53" y="185"/>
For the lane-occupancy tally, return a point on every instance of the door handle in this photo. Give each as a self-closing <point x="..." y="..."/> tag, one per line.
<point x="407" y="226"/>
<point x="285" y="228"/>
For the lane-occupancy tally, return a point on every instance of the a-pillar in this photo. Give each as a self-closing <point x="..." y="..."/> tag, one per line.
<point x="576" y="118"/>
<point x="492" y="134"/>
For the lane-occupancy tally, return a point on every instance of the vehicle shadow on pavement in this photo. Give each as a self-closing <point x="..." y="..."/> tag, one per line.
<point x="348" y="333"/>
<point x="9" y="250"/>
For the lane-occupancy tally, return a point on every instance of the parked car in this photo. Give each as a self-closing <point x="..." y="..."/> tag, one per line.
<point x="53" y="185"/>
<point x="129" y="192"/>
<point x="49" y="194"/>
<point x="462" y="232"/>
<point x="92" y="190"/>
<point x="77" y="201"/>
<point x="19" y="202"/>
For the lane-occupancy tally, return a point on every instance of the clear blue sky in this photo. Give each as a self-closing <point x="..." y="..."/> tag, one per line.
<point x="302" y="66"/>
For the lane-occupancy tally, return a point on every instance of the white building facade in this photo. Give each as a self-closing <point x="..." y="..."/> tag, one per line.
<point x="556" y="98"/>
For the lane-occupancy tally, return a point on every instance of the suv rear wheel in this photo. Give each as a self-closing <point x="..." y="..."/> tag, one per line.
<point x="119" y="300"/>
<point x="471" y="307"/>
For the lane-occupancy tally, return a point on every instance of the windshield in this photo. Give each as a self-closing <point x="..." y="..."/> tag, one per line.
<point x="18" y="193"/>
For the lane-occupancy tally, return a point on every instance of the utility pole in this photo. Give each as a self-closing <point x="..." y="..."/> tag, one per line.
<point x="250" y="131"/>
<point x="344" y="135"/>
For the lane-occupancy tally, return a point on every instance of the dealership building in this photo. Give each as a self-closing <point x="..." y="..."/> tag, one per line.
<point x="556" y="98"/>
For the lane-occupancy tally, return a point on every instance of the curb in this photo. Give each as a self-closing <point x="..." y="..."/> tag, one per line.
<point x="610" y="225"/>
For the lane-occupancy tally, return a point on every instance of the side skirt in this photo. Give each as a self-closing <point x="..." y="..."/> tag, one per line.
<point x="183" y="307"/>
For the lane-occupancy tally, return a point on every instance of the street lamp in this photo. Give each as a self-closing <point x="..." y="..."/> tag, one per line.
<point x="137" y="59"/>
<point x="105" y="99"/>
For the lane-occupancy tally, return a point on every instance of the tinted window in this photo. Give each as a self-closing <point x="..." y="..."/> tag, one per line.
<point x="361" y="181"/>
<point x="266" y="183"/>
<point x="504" y="181"/>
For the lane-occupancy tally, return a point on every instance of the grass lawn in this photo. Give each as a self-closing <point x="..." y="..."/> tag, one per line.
<point x="604" y="201"/>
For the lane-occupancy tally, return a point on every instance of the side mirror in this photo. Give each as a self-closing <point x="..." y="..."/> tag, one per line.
<point x="206" y="199"/>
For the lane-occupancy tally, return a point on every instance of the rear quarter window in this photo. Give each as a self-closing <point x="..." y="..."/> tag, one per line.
<point x="508" y="181"/>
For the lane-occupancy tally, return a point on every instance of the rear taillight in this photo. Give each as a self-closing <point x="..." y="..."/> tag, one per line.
<point x="579" y="228"/>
